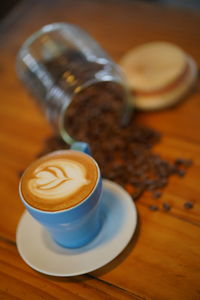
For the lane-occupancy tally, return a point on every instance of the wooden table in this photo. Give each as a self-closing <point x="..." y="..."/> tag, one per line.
<point x="163" y="259"/>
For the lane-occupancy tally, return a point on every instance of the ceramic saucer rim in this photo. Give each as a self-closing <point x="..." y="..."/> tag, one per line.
<point x="108" y="185"/>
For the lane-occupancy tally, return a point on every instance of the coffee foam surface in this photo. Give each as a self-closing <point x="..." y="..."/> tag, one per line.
<point x="59" y="181"/>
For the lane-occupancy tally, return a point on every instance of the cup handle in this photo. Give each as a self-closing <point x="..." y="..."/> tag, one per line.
<point x="81" y="146"/>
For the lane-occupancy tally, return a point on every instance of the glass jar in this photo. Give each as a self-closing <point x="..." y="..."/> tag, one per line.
<point x="59" y="62"/>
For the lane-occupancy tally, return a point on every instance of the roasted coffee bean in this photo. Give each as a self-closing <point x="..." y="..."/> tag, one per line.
<point x="111" y="175"/>
<point x="153" y="207"/>
<point x="156" y="194"/>
<point x="162" y="182"/>
<point x="188" y="205"/>
<point x="166" y="206"/>
<point x="181" y="172"/>
<point x="138" y="192"/>
<point x="124" y="153"/>
<point x="183" y="162"/>
<point x="150" y="182"/>
<point x="179" y="161"/>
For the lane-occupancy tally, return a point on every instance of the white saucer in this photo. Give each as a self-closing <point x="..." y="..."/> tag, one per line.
<point x="42" y="254"/>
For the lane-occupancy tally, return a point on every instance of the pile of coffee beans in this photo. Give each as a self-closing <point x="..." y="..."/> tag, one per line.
<point x="124" y="153"/>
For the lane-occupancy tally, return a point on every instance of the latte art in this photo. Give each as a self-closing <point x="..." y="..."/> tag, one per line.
<point x="59" y="180"/>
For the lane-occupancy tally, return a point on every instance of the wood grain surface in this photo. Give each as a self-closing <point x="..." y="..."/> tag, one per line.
<point x="162" y="261"/>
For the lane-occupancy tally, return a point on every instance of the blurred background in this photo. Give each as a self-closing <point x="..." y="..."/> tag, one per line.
<point x="7" y="6"/>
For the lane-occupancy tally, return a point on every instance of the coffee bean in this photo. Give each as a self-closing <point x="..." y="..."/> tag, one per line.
<point x="184" y="162"/>
<point x="188" y="205"/>
<point x="181" y="172"/>
<point x="111" y="175"/>
<point x="153" y="207"/>
<point x="150" y="182"/>
<point x="162" y="182"/>
<point x="123" y="151"/>
<point x="139" y="191"/>
<point x="166" y="206"/>
<point x="179" y="161"/>
<point x="156" y="194"/>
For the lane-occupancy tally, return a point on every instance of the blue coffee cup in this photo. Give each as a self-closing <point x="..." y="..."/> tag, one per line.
<point x="76" y="226"/>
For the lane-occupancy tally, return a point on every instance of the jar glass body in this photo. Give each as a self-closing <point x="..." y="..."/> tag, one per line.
<point x="58" y="62"/>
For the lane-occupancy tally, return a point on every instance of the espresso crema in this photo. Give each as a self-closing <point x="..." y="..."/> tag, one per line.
<point x="59" y="180"/>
